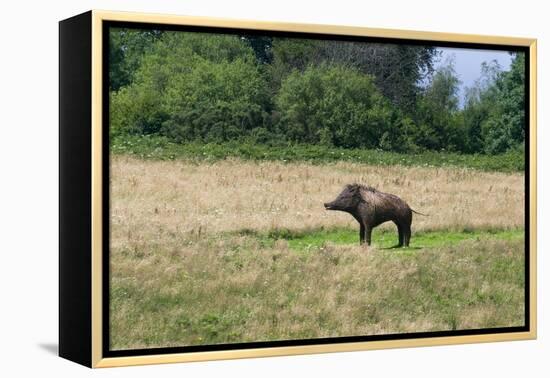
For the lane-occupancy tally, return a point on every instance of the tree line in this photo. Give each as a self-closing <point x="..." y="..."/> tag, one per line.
<point x="196" y="87"/>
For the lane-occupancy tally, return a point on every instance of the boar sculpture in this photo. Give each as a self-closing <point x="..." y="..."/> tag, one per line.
<point x="371" y="208"/>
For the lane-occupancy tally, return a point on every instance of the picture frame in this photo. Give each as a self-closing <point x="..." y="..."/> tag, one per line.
<point x="85" y="186"/>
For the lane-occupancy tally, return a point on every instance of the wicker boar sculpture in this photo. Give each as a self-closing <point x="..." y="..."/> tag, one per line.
<point x="371" y="208"/>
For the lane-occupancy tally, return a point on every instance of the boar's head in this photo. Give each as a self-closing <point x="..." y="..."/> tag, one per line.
<point x="347" y="200"/>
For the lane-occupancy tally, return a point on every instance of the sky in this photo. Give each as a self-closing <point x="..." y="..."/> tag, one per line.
<point x="468" y="63"/>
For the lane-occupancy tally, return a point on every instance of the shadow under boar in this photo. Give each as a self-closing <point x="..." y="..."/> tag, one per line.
<point x="371" y="208"/>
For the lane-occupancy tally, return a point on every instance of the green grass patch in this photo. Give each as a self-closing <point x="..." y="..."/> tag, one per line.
<point x="312" y="240"/>
<point x="160" y="148"/>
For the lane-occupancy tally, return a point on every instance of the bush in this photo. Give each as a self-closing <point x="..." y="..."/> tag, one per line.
<point x="155" y="147"/>
<point x="136" y="110"/>
<point x="215" y="102"/>
<point x="193" y="87"/>
<point x="332" y="105"/>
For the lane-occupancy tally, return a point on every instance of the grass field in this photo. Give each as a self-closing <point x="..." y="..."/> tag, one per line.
<point x="237" y="250"/>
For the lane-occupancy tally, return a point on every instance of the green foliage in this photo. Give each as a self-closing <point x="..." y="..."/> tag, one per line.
<point x="479" y="102"/>
<point x="504" y="127"/>
<point x="136" y="110"/>
<point x="215" y="102"/>
<point x="290" y="54"/>
<point x="397" y="69"/>
<point x="126" y="48"/>
<point x="192" y="87"/>
<point x="494" y="114"/>
<point x="161" y="148"/>
<point x="440" y="126"/>
<point x="214" y="88"/>
<point x="333" y="106"/>
<point x="262" y="46"/>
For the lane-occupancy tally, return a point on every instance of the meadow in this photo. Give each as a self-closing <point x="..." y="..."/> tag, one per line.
<point x="234" y="250"/>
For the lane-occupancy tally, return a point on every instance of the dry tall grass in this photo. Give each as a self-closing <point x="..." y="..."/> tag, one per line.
<point x="150" y="198"/>
<point x="178" y="279"/>
<point x="234" y="290"/>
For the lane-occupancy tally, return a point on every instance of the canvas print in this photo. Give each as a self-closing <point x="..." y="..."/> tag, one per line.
<point x="269" y="187"/>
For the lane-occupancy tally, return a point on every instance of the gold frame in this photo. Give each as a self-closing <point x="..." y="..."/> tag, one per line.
<point x="99" y="16"/>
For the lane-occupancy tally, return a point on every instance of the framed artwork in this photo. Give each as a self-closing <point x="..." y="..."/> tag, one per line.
<point x="234" y="189"/>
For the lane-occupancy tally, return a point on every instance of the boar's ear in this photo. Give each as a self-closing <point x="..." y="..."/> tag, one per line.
<point x="348" y="188"/>
<point x="358" y="191"/>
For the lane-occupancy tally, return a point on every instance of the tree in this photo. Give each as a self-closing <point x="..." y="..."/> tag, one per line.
<point x="288" y="55"/>
<point x="193" y="86"/>
<point x="505" y="124"/>
<point x="216" y="87"/>
<point x="215" y="102"/>
<point x="480" y="100"/>
<point x="398" y="69"/>
<point x="262" y="46"/>
<point x="440" y="125"/>
<point x="126" y="49"/>
<point x="332" y="105"/>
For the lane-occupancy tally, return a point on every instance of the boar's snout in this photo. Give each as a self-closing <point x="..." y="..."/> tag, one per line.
<point x="328" y="205"/>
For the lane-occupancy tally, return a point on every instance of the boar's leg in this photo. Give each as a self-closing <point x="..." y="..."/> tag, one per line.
<point x="400" y="234"/>
<point x="361" y="233"/>
<point x="368" y="233"/>
<point x="406" y="234"/>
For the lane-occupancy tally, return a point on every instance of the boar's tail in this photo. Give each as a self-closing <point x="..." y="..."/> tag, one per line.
<point x="419" y="213"/>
